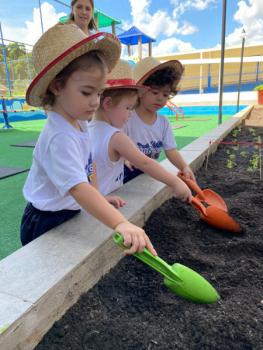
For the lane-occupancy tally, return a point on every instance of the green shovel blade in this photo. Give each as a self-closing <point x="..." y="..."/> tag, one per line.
<point x="181" y="280"/>
<point x="194" y="287"/>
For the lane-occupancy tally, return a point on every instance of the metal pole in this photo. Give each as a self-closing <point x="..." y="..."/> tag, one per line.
<point x="241" y="67"/>
<point x="150" y="49"/>
<point x="28" y="68"/>
<point x="41" y="19"/>
<point x="113" y="28"/>
<point x="5" y="62"/>
<point x="5" y="115"/>
<point x="209" y="79"/>
<point x="140" y="48"/>
<point x="257" y="71"/>
<point x="221" y="79"/>
<point x="201" y="73"/>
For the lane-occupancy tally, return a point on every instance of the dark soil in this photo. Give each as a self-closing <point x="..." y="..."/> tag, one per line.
<point x="130" y="308"/>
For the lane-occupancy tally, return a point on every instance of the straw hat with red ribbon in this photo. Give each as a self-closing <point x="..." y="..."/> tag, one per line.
<point x="121" y="77"/>
<point x="59" y="46"/>
<point x="149" y="65"/>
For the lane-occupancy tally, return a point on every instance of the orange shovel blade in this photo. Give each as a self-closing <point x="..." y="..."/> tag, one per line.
<point x="216" y="217"/>
<point x="213" y="198"/>
<point x="207" y="195"/>
<point x="221" y="220"/>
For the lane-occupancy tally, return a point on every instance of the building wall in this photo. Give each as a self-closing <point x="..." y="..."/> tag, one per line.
<point x="205" y="76"/>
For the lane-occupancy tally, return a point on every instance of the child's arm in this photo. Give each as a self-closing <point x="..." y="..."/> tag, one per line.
<point x="94" y="203"/>
<point x="94" y="181"/>
<point x="177" y="160"/>
<point x="124" y="146"/>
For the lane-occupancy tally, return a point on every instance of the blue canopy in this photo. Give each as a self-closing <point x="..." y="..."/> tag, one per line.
<point x="131" y="37"/>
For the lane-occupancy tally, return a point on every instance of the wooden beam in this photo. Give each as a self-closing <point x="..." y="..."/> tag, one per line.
<point x="113" y="27"/>
<point x="140" y="48"/>
<point x="129" y="49"/>
<point x="96" y="18"/>
<point x="150" y="48"/>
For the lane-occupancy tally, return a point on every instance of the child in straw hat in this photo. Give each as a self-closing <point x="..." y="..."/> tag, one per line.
<point x="111" y="145"/>
<point x="71" y="73"/>
<point x="151" y="132"/>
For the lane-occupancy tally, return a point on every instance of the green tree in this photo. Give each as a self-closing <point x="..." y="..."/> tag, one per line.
<point x="15" y="51"/>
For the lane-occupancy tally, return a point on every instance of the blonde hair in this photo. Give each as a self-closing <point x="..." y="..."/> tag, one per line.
<point x="117" y="94"/>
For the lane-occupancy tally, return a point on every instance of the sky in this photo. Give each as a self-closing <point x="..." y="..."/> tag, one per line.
<point x="177" y="25"/>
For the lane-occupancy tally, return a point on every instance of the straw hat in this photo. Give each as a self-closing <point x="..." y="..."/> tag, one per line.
<point x="121" y="77"/>
<point x="149" y="65"/>
<point x="59" y="46"/>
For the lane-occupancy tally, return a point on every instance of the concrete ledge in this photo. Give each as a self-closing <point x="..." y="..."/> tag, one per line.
<point x="40" y="281"/>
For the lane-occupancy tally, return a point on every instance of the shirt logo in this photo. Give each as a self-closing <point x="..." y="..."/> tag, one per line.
<point x="89" y="168"/>
<point x="152" y="149"/>
<point x="119" y="178"/>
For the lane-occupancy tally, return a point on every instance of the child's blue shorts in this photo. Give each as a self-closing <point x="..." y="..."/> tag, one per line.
<point x="35" y="222"/>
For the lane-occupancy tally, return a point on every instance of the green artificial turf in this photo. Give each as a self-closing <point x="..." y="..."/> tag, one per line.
<point x="193" y="127"/>
<point x="12" y="202"/>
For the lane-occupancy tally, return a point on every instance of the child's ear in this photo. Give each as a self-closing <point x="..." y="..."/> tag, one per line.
<point x="55" y="87"/>
<point x="143" y="91"/>
<point x="107" y="103"/>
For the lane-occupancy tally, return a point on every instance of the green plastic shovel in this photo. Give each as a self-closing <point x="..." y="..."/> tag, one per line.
<point x="181" y="280"/>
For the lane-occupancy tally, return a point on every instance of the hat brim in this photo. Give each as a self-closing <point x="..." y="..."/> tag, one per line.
<point x="174" y="64"/>
<point x="139" y="88"/>
<point x="103" y="42"/>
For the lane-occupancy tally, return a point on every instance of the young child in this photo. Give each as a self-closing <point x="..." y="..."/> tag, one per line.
<point x="71" y="73"/>
<point x="111" y="146"/>
<point x="151" y="132"/>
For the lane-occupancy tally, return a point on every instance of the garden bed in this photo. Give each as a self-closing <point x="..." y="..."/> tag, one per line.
<point x="130" y="308"/>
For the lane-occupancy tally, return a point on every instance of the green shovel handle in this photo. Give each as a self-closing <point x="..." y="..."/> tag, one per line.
<point x="155" y="262"/>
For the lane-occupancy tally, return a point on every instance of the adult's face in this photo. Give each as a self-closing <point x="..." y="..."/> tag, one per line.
<point x="83" y="12"/>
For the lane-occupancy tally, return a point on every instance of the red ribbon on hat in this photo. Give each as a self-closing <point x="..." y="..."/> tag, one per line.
<point x="121" y="82"/>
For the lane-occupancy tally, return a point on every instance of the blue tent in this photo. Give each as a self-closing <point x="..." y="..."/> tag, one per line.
<point x="135" y="36"/>
<point x="132" y="36"/>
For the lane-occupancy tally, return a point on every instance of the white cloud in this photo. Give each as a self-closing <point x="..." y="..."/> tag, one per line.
<point x="250" y="17"/>
<point x="159" y="22"/>
<point x="181" y="6"/>
<point x="187" y="28"/>
<point x="171" y="45"/>
<point x="202" y="4"/>
<point x="32" y="29"/>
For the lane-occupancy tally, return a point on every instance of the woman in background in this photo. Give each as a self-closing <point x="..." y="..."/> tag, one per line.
<point x="82" y="12"/>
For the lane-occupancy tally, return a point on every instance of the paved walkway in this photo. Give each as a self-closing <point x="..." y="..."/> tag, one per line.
<point x="256" y="117"/>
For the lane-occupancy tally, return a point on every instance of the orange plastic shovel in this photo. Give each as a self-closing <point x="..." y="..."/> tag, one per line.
<point x="216" y="217"/>
<point x="206" y="195"/>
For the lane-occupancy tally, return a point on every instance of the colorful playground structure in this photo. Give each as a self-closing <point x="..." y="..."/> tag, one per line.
<point x="15" y="104"/>
<point x="16" y="109"/>
<point x="178" y="112"/>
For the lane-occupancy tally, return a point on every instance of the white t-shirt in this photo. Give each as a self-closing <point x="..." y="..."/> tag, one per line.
<point x="109" y="174"/>
<point x="150" y="139"/>
<point x="61" y="159"/>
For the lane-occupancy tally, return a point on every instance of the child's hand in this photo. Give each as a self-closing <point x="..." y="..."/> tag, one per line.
<point x="116" y="201"/>
<point x="129" y="165"/>
<point x="182" y="191"/>
<point x="188" y="173"/>
<point x="134" y="238"/>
